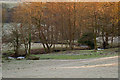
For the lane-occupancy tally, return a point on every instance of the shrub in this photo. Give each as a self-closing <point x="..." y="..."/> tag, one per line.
<point x="87" y="39"/>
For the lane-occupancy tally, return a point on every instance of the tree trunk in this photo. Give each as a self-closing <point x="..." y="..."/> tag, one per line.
<point x="70" y="31"/>
<point x="95" y="41"/>
<point x="29" y="48"/>
<point x="95" y="31"/>
<point x="106" y="40"/>
<point x="112" y="41"/>
<point x="17" y="45"/>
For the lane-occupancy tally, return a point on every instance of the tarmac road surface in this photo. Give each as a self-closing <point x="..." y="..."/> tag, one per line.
<point x="106" y="67"/>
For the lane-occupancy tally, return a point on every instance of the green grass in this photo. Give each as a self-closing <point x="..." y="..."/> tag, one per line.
<point x="70" y="56"/>
<point x="8" y="51"/>
<point x="81" y="54"/>
<point x="90" y="54"/>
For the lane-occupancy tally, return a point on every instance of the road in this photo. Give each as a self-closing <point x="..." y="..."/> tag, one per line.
<point x="106" y="67"/>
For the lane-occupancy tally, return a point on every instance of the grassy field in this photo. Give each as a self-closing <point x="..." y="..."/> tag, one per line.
<point x="70" y="56"/>
<point x="79" y="54"/>
<point x="75" y="54"/>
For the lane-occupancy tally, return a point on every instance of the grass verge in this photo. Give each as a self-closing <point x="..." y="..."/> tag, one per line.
<point x="79" y="54"/>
